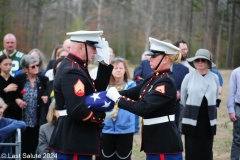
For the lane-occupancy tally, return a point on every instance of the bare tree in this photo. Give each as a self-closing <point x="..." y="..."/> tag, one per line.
<point x="215" y="26"/>
<point x="190" y="27"/>
<point x="219" y="38"/>
<point x="230" y="45"/>
<point x="206" y="24"/>
<point x="99" y="7"/>
<point x="127" y="24"/>
<point x="148" y="25"/>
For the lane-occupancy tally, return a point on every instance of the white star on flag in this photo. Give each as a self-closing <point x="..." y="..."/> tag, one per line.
<point x="106" y="104"/>
<point x="95" y="96"/>
<point x="99" y="101"/>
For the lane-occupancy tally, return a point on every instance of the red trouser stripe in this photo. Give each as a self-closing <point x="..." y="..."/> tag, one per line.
<point x="162" y="157"/>
<point x="75" y="157"/>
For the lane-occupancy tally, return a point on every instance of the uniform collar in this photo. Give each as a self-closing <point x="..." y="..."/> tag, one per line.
<point x="159" y="72"/>
<point x="77" y="60"/>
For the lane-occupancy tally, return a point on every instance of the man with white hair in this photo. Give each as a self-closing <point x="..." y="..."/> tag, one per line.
<point x="76" y="133"/>
<point x="67" y="44"/>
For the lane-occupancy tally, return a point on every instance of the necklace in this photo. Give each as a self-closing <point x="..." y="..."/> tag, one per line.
<point x="120" y="86"/>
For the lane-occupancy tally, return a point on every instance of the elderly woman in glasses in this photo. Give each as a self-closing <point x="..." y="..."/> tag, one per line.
<point x="37" y="53"/>
<point x="199" y="92"/>
<point x="155" y="100"/>
<point x="34" y="86"/>
<point x="117" y="137"/>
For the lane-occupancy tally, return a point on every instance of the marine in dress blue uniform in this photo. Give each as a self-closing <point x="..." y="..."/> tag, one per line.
<point x="155" y="100"/>
<point x="76" y="133"/>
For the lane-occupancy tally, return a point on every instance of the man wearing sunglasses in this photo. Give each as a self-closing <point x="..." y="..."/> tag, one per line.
<point x="76" y="134"/>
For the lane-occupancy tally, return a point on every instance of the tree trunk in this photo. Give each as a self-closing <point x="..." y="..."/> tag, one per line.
<point x="215" y="26"/>
<point x="176" y="20"/>
<point x="190" y="28"/>
<point x="219" y="38"/>
<point x="99" y="14"/>
<point x="99" y="8"/>
<point x="206" y="26"/>
<point x="149" y="24"/>
<point x="231" y="38"/>
<point x="4" y="25"/>
<point x="167" y="17"/>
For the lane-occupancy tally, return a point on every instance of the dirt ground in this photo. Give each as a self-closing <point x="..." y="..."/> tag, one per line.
<point x="223" y="138"/>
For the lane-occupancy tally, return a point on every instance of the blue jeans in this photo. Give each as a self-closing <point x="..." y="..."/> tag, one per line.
<point x="136" y="123"/>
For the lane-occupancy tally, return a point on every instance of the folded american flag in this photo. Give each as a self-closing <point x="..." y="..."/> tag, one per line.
<point x="99" y="101"/>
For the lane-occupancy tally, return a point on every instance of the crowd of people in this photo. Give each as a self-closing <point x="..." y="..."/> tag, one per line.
<point x="51" y="105"/>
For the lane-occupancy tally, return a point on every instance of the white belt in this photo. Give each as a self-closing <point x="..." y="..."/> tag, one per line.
<point x="158" y="120"/>
<point x="62" y="112"/>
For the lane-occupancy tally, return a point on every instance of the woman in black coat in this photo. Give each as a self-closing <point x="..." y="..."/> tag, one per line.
<point x="9" y="90"/>
<point x="34" y="86"/>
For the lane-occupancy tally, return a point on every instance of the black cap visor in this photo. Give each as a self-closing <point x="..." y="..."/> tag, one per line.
<point x="154" y="53"/>
<point x="90" y="43"/>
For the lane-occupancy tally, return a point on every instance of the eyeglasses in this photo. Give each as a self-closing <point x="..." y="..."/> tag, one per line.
<point x="185" y="49"/>
<point x="200" y="59"/>
<point x="117" y="59"/>
<point x="33" y="67"/>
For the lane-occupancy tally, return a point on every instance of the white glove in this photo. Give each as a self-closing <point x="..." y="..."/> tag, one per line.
<point x="103" y="53"/>
<point x="110" y="114"/>
<point x="113" y="94"/>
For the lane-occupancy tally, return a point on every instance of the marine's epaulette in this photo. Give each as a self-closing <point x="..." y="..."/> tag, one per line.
<point x="75" y="64"/>
<point x="157" y="74"/>
<point x="165" y="75"/>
